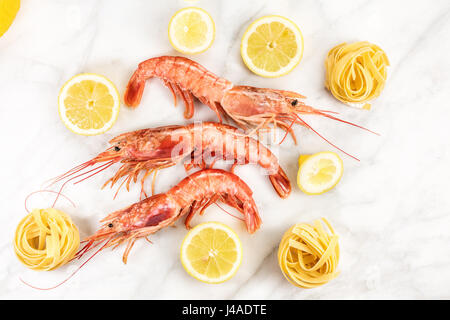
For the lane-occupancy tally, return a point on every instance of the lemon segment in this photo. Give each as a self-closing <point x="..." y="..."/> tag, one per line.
<point x="191" y="30"/>
<point x="8" y="11"/>
<point x="211" y="252"/>
<point x="272" y="46"/>
<point x="319" y="172"/>
<point x="89" y="104"/>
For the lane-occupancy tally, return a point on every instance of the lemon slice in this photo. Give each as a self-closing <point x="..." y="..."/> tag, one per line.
<point x="272" y="46"/>
<point x="319" y="172"/>
<point x="211" y="252"/>
<point x="8" y="11"/>
<point x="191" y="30"/>
<point x="89" y="104"/>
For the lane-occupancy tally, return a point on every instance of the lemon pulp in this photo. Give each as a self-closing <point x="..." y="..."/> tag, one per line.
<point x="320" y="172"/>
<point x="272" y="46"/>
<point x="191" y="30"/>
<point x="323" y="172"/>
<point x="211" y="252"/>
<point x="89" y="104"/>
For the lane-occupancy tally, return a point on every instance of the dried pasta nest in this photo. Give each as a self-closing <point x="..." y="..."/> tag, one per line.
<point x="356" y="73"/>
<point x="308" y="255"/>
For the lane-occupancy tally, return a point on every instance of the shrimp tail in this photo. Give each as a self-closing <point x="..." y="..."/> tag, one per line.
<point x="281" y="183"/>
<point x="251" y="217"/>
<point x="135" y="89"/>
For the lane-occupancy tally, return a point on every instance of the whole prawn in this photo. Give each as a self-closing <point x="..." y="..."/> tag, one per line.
<point x="193" y="194"/>
<point x="249" y="107"/>
<point x="201" y="144"/>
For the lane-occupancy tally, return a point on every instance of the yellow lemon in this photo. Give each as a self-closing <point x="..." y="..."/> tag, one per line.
<point x="272" y="46"/>
<point x="8" y="11"/>
<point x="211" y="252"/>
<point x="89" y="104"/>
<point x="319" y="172"/>
<point x="191" y="30"/>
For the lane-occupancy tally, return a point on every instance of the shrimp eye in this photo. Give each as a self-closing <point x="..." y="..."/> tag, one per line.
<point x="116" y="148"/>
<point x="293" y="103"/>
<point x="110" y="225"/>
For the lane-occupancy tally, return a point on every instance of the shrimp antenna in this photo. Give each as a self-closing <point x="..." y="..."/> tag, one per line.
<point x="230" y="214"/>
<point x="322" y="113"/>
<point x="72" y="171"/>
<point x="72" y="274"/>
<point x="99" y="168"/>
<point x="50" y="191"/>
<point x="288" y="129"/>
<point x="329" y="142"/>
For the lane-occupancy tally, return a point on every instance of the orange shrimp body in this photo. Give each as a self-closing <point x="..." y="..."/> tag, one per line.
<point x="184" y="78"/>
<point x="250" y="107"/>
<point x="199" y="144"/>
<point x="193" y="194"/>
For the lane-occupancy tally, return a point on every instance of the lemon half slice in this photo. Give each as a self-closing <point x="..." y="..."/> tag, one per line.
<point x="191" y="30"/>
<point x="211" y="252"/>
<point x="319" y="172"/>
<point x="272" y="46"/>
<point x="8" y="11"/>
<point x="89" y="104"/>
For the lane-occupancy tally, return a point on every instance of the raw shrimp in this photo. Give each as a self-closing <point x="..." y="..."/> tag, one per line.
<point x="250" y="108"/>
<point x="201" y="144"/>
<point x="193" y="194"/>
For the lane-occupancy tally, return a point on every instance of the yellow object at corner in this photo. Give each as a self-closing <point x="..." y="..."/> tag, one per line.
<point x="46" y="239"/>
<point x="272" y="46"/>
<point x="8" y="11"/>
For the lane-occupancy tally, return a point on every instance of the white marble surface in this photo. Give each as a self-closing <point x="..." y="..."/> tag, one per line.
<point x="392" y="209"/>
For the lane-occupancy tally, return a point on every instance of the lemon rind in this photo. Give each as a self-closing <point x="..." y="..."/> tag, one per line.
<point x="247" y="60"/>
<point x="311" y="158"/>
<point x="186" y="263"/>
<point x="183" y="50"/>
<point x="94" y="77"/>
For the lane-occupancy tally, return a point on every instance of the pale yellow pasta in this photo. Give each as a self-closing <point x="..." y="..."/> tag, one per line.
<point x="46" y="239"/>
<point x="308" y="255"/>
<point x="356" y="73"/>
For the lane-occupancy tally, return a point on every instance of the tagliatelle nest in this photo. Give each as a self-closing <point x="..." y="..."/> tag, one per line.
<point x="356" y="73"/>
<point x="308" y="255"/>
<point x="46" y="239"/>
